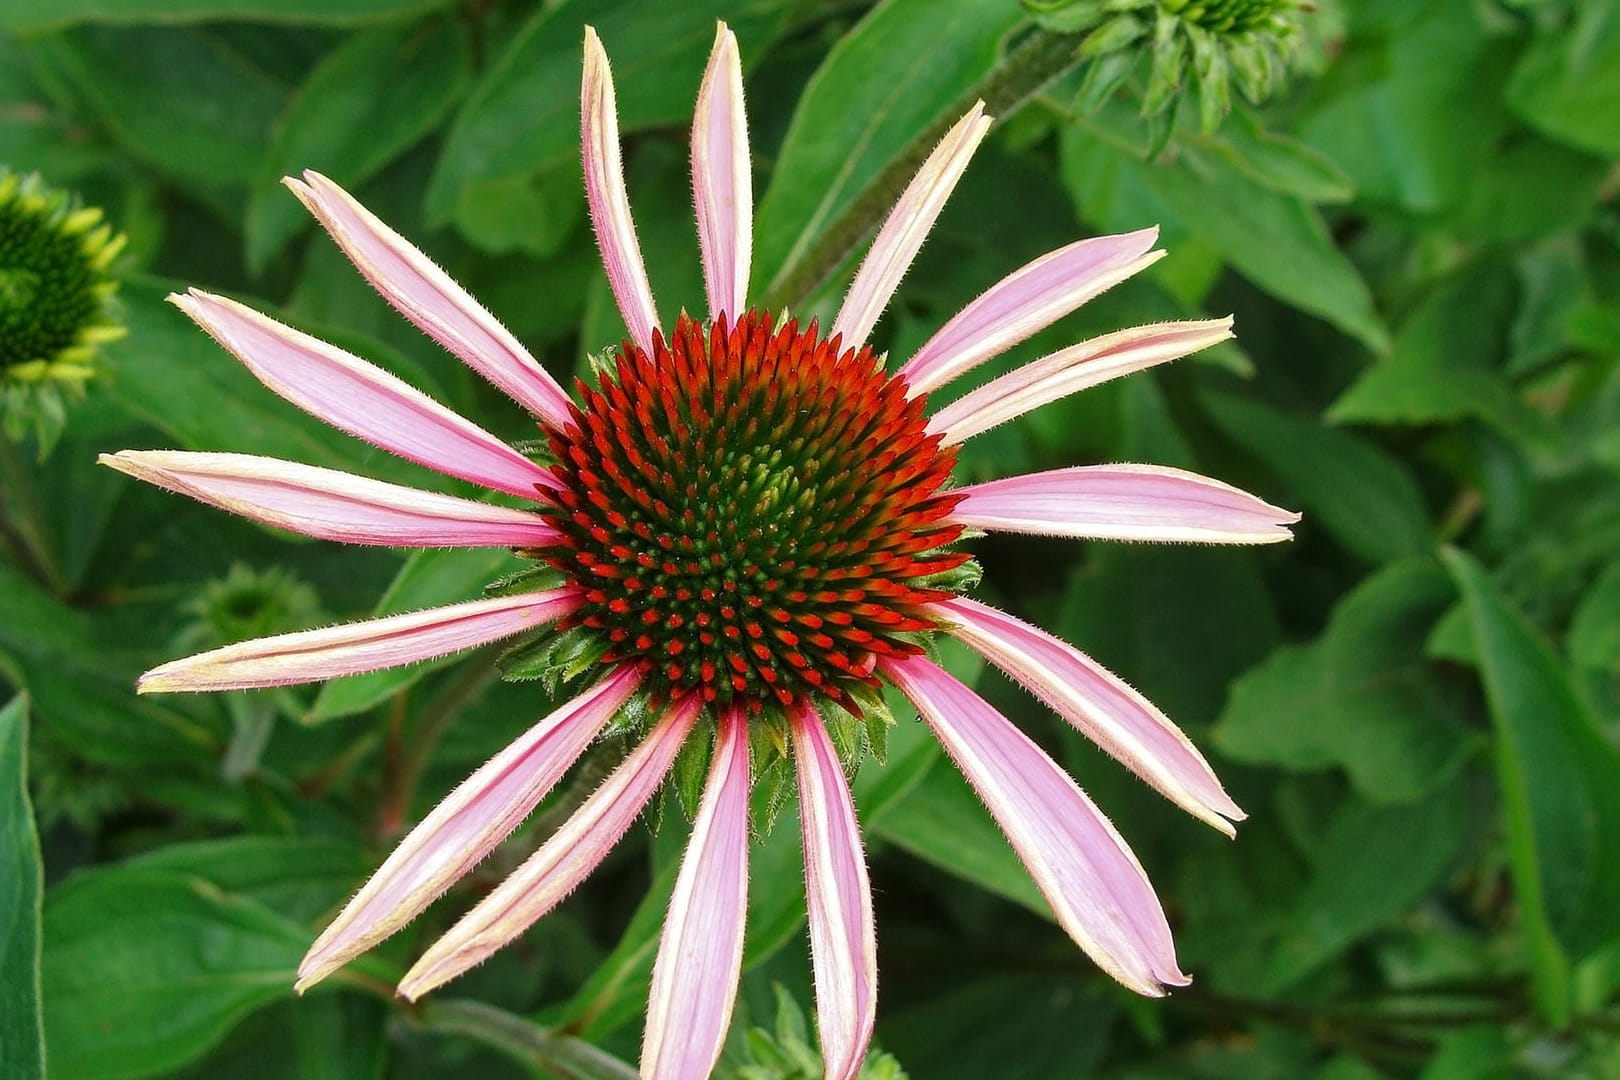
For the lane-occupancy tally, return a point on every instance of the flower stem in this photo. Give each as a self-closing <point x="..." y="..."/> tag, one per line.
<point x="561" y="1055"/>
<point x="22" y="522"/>
<point x="1034" y="62"/>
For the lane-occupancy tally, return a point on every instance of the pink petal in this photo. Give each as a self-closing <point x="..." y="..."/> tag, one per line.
<point x="1123" y="502"/>
<point x="361" y="398"/>
<point x="1026" y="301"/>
<point x="694" y="981"/>
<point x="902" y="234"/>
<point x="561" y="863"/>
<point x="609" y="203"/>
<point x="332" y="505"/>
<point x="1096" y="887"/>
<point x="1076" y="368"/>
<point x="466" y="826"/>
<point x="843" y="940"/>
<point x="1100" y="704"/>
<point x="428" y="297"/>
<point x="721" y="182"/>
<point x="371" y="645"/>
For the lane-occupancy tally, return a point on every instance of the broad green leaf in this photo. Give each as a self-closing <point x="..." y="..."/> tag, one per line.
<point x="1373" y="863"/>
<point x="429" y="578"/>
<point x="1366" y="498"/>
<point x="30" y="16"/>
<point x="367" y="102"/>
<point x="1560" y="776"/>
<point x="1361" y="697"/>
<point x="1594" y="631"/>
<point x="22" y="1037"/>
<point x="1568" y="84"/>
<point x="146" y="969"/>
<point x="884" y="82"/>
<point x="299" y="877"/>
<point x="523" y="115"/>
<point x="1280" y="162"/>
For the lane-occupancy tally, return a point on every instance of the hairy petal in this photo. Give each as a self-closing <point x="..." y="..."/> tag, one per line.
<point x="722" y="186"/>
<point x="1123" y="502"/>
<point x="360" y="398"/>
<point x="1079" y="367"/>
<point x="608" y="200"/>
<point x="561" y="863"/>
<point x="699" y="961"/>
<point x="1097" y="889"/>
<point x="1026" y="301"/>
<point x="332" y="505"/>
<point x="843" y="939"/>
<point x="352" y="648"/>
<point x="1099" y="703"/>
<point x="466" y="826"/>
<point x="427" y="296"/>
<point x="907" y="225"/>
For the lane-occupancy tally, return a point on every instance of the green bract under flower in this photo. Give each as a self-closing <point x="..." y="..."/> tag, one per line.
<point x="55" y="300"/>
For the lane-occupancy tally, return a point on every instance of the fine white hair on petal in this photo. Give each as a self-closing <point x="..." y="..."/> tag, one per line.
<point x="562" y="862"/>
<point x="428" y="297"/>
<point x="609" y="202"/>
<point x="907" y="225"/>
<point x="1098" y="703"/>
<point x="466" y="826"/>
<point x="722" y="186"/>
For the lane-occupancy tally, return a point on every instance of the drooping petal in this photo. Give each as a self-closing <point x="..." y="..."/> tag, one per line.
<point x="1100" y="704"/>
<point x="1079" y="367"/>
<point x="1026" y="301"/>
<point x="721" y="183"/>
<point x="561" y="863"/>
<point x="843" y="939"/>
<point x="466" y="826"/>
<point x="360" y="398"/>
<point x="608" y="200"/>
<point x="906" y="227"/>
<point x="1097" y="889"/>
<point x="352" y="648"/>
<point x="332" y="505"/>
<point x="1123" y="502"/>
<point x="427" y="296"/>
<point x="699" y="961"/>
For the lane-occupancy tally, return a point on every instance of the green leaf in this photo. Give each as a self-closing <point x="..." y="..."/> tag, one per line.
<point x="366" y="103"/>
<point x="22" y="1037"/>
<point x="1560" y="776"/>
<point x="429" y="578"/>
<point x="1568" y="84"/>
<point x="1366" y="498"/>
<point x="1594" y="631"/>
<point x="523" y="115"/>
<point x="885" y="81"/>
<point x="299" y="877"/>
<point x="1360" y="697"/>
<point x="1278" y="161"/>
<point x="31" y="16"/>
<point x="145" y="970"/>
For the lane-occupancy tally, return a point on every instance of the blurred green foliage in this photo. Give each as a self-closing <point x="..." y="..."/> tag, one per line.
<point x="1417" y="701"/>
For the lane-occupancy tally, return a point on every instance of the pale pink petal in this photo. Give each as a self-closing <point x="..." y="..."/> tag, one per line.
<point x="721" y="183"/>
<point x="361" y="398"/>
<point x="1123" y="502"/>
<point x="466" y="826"/>
<point x="903" y="232"/>
<point x="1026" y="301"/>
<point x="1097" y="889"/>
<point x="608" y="200"/>
<point x="332" y="505"/>
<point x="351" y="648"/>
<point x="428" y="297"/>
<point x="699" y="961"/>
<point x="561" y="863"/>
<point x="1099" y="703"/>
<point x="1076" y="368"/>
<point x="843" y="940"/>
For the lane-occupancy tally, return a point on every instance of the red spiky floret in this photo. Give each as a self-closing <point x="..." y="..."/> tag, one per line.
<point x="751" y="512"/>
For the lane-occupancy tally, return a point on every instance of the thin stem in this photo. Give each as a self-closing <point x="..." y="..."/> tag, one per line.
<point x="565" y="1056"/>
<point x="1034" y="62"/>
<point x="407" y="761"/>
<point x="22" y="521"/>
